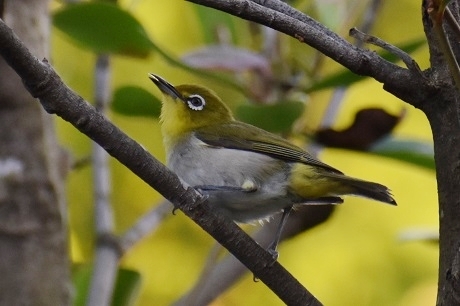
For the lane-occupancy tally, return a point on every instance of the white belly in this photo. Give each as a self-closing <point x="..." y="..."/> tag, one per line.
<point x="198" y="164"/>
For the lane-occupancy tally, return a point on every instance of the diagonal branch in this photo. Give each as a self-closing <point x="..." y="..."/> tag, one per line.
<point x="403" y="83"/>
<point x="56" y="98"/>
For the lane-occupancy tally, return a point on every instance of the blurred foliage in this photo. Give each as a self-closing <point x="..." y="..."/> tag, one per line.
<point x="276" y="118"/>
<point x="104" y="28"/>
<point x="369" y="126"/>
<point x="126" y="288"/>
<point x="210" y="23"/>
<point x="135" y="101"/>
<point x="419" y="153"/>
<point x="353" y="259"/>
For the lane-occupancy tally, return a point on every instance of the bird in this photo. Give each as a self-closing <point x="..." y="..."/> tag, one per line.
<point x="246" y="173"/>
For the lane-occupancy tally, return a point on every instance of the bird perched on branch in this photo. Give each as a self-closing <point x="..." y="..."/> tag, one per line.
<point x="246" y="173"/>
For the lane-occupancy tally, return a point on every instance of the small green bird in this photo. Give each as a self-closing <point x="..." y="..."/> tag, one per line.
<point x="247" y="173"/>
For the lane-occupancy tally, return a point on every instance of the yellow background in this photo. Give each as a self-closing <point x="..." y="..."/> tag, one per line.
<point x="355" y="258"/>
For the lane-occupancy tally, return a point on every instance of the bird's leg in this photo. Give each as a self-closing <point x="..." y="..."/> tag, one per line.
<point x="274" y="245"/>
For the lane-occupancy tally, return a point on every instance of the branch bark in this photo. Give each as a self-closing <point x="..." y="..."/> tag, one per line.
<point x="443" y="114"/>
<point x="56" y="98"/>
<point x="409" y="86"/>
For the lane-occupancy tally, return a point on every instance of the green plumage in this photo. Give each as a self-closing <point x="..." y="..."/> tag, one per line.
<point x="247" y="173"/>
<point x="241" y="136"/>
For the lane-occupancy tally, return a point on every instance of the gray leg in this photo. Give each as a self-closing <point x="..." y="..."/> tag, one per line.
<point x="274" y="245"/>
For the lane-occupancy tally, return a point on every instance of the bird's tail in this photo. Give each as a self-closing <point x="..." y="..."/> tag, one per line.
<point x="366" y="189"/>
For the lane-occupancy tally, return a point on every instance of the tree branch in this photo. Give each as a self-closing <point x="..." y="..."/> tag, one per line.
<point x="144" y="225"/>
<point x="105" y="261"/>
<point x="443" y="114"/>
<point x="56" y="98"/>
<point x="403" y="83"/>
<point x="369" y="39"/>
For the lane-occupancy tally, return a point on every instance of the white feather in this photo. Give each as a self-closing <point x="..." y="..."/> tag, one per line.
<point x="198" y="164"/>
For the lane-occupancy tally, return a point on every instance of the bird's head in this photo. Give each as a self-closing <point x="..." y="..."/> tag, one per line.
<point x="189" y="107"/>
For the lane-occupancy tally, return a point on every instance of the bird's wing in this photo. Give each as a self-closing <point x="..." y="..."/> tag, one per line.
<point x="241" y="136"/>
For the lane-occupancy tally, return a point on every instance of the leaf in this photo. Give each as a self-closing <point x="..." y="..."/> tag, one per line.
<point x="333" y="13"/>
<point x="217" y="57"/>
<point x="126" y="288"/>
<point x="81" y="278"/>
<point x="369" y="126"/>
<point x="104" y="28"/>
<point x="135" y="101"/>
<point x="274" y="118"/>
<point x="346" y="77"/>
<point x="419" y="153"/>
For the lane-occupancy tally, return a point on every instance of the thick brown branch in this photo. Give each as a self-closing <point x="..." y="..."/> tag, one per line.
<point x="403" y="83"/>
<point x="43" y="83"/>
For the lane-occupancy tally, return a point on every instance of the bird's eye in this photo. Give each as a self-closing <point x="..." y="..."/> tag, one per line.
<point x="196" y="102"/>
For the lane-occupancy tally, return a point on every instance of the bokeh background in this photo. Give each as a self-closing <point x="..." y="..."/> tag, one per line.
<point x="355" y="258"/>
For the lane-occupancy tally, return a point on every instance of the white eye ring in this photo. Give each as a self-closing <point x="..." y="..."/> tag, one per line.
<point x="196" y="102"/>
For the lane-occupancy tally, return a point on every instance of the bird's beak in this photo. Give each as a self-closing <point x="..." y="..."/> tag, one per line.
<point x="165" y="87"/>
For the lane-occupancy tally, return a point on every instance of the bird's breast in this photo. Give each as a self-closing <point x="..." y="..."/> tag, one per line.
<point x="200" y="164"/>
<point x="262" y="180"/>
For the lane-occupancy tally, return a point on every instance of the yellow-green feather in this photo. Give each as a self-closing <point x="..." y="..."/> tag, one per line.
<point x="215" y="125"/>
<point x="310" y="182"/>
<point x="178" y="120"/>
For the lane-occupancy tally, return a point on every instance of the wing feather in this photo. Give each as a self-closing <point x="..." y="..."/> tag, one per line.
<point x="242" y="136"/>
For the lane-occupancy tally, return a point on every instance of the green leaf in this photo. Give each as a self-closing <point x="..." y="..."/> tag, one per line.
<point x="346" y="77"/>
<point x="228" y="58"/>
<point x="419" y="153"/>
<point x="274" y="118"/>
<point x="104" y="28"/>
<point x="126" y="288"/>
<point x="135" y="101"/>
<point x="81" y="278"/>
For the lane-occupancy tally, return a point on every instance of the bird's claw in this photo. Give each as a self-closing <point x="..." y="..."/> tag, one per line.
<point x="274" y="253"/>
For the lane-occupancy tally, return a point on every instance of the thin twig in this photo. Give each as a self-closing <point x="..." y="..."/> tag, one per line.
<point x="370" y="17"/>
<point x="406" y="58"/>
<point x="450" y="18"/>
<point x="436" y="15"/>
<point x="444" y="45"/>
<point x="144" y="226"/>
<point x="106" y="257"/>
<point x="101" y="173"/>
<point x="204" y="290"/>
<point x="218" y="276"/>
